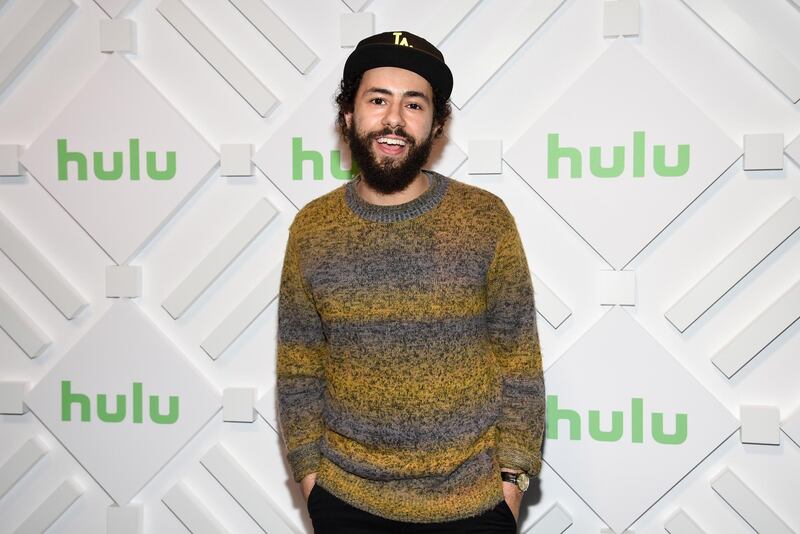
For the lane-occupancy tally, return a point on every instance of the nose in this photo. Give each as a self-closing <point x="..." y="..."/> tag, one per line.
<point x="393" y="116"/>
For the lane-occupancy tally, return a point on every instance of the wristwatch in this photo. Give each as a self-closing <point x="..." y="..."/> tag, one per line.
<point x="520" y="479"/>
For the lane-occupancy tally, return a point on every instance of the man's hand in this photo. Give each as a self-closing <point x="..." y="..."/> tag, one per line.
<point x="307" y="483"/>
<point x="512" y="495"/>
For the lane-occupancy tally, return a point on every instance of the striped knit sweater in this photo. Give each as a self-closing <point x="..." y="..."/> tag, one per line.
<point x="409" y="369"/>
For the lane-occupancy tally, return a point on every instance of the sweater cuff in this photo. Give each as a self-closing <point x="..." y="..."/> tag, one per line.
<point x="304" y="460"/>
<point x="511" y="459"/>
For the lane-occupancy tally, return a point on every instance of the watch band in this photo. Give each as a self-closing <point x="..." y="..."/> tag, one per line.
<point x="521" y="480"/>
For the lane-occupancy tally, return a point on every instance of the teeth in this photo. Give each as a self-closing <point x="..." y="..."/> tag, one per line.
<point x="391" y="141"/>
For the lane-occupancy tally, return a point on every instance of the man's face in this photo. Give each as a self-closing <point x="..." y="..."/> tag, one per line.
<point x="390" y="128"/>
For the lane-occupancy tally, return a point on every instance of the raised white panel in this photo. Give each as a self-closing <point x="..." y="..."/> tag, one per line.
<point x="12" y="397"/>
<point x="554" y="521"/>
<point x="615" y="167"/>
<point x="247" y="492"/>
<point x="617" y="287"/>
<point x="9" y="160"/>
<point x="735" y="266"/>
<point x="23" y="459"/>
<point x="191" y="511"/>
<point x="238" y="405"/>
<point x="600" y="425"/>
<point x="757" y="49"/>
<point x="151" y="161"/>
<point x="32" y="36"/>
<point x="40" y="271"/>
<point x="124" y="400"/>
<point x="473" y="67"/>
<point x="620" y="17"/>
<point x="51" y="509"/>
<point x="756" y="336"/>
<point x="117" y="35"/>
<point x="242" y="315"/>
<point x="278" y="33"/>
<point x="485" y="156"/>
<point x="748" y="505"/>
<point x="223" y="254"/>
<point x="763" y="152"/>
<point x="218" y="55"/>
<point x="354" y="27"/>
<point x="760" y="424"/>
<point x="235" y="160"/>
<point x="124" y="519"/>
<point x="21" y="327"/>
<point x="681" y="523"/>
<point x="123" y="280"/>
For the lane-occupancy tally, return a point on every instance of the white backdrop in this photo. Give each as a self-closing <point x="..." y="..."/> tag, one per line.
<point x="648" y="149"/>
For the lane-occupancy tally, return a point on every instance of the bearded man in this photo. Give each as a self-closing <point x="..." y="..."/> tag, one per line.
<point x="409" y="372"/>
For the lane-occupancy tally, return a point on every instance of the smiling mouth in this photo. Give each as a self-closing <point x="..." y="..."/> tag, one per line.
<point x="391" y="141"/>
<point x="390" y="146"/>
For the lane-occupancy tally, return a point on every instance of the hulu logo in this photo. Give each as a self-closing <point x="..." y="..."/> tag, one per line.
<point x="615" y="433"/>
<point x="299" y="156"/>
<point x="99" y="166"/>
<point x="556" y="152"/>
<point x="70" y="399"/>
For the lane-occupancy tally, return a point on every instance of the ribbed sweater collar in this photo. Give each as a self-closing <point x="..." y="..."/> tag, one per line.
<point x="398" y="212"/>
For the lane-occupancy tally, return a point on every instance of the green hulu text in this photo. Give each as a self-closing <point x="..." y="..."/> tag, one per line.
<point x="300" y="156"/>
<point x="69" y="399"/>
<point x="555" y="415"/>
<point x="113" y="171"/>
<point x="638" y="160"/>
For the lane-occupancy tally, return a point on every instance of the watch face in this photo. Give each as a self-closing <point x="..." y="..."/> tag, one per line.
<point x="523" y="481"/>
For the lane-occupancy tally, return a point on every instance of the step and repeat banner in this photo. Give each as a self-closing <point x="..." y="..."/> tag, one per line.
<point x="153" y="154"/>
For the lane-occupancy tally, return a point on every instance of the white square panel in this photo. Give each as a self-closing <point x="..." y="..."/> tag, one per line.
<point x="763" y="152"/>
<point x="9" y="160"/>
<point x="620" y="17"/>
<point x="124" y="519"/>
<point x="123" y="400"/>
<point x="120" y="158"/>
<point x="354" y="27"/>
<point x="617" y="168"/>
<point x="760" y="424"/>
<point x="617" y="287"/>
<point x="123" y="281"/>
<point x="485" y="156"/>
<point x="238" y="405"/>
<point x="617" y="432"/>
<point x="12" y="397"/>
<point x="235" y="159"/>
<point x="117" y="35"/>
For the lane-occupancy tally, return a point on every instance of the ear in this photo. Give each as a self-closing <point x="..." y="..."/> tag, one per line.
<point x="348" y="119"/>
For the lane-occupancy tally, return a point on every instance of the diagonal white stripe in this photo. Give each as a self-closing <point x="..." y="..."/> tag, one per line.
<point x="218" y="55"/>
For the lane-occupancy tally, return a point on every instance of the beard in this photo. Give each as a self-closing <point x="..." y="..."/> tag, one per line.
<point x="388" y="175"/>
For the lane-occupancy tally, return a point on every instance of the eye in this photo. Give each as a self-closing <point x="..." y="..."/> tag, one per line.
<point x="377" y="100"/>
<point x="414" y="105"/>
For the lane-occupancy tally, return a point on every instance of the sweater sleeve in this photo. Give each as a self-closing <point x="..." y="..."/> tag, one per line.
<point x="515" y="341"/>
<point x="300" y="378"/>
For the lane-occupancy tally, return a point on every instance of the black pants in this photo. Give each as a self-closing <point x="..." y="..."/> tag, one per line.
<point x="331" y="515"/>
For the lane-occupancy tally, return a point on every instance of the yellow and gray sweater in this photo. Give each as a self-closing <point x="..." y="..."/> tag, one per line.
<point x="409" y="370"/>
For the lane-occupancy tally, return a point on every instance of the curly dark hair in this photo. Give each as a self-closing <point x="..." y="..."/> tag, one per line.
<point x="346" y="97"/>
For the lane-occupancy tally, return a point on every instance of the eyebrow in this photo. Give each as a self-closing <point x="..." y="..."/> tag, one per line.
<point x="384" y="91"/>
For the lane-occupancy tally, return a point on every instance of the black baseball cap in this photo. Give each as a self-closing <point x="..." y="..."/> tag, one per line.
<point x="404" y="50"/>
